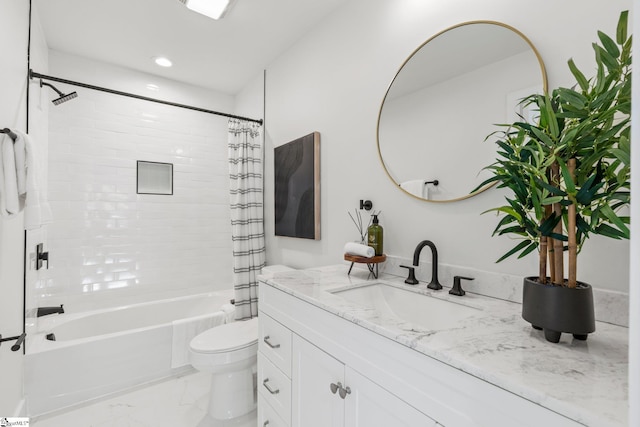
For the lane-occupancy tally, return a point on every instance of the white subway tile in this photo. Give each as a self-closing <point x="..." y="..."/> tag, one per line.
<point x="108" y="240"/>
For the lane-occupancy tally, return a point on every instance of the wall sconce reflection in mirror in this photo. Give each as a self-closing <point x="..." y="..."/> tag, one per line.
<point x="297" y="188"/>
<point x="154" y="178"/>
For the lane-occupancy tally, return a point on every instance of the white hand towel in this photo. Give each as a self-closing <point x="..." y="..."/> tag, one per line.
<point x="36" y="208"/>
<point x="352" y="248"/>
<point x="184" y="330"/>
<point x="229" y="311"/>
<point x="416" y="187"/>
<point x="10" y="187"/>
<point x="21" y="165"/>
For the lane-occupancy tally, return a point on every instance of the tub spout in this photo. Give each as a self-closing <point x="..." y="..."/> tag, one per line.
<point x="44" y="311"/>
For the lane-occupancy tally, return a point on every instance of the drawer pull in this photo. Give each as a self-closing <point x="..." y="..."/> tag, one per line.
<point x="344" y="392"/>
<point x="266" y="340"/>
<point x="272" y="391"/>
<point x="266" y="423"/>
<point x="335" y="387"/>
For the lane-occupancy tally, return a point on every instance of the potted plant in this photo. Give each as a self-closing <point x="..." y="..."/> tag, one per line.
<point x="569" y="175"/>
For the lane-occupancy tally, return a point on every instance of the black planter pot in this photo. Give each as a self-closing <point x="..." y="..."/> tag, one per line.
<point x="557" y="309"/>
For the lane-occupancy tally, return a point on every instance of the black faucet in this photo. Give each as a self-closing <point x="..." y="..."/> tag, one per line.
<point x="44" y="311"/>
<point x="435" y="284"/>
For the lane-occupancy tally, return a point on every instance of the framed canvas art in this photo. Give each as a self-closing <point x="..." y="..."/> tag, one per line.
<point x="297" y="187"/>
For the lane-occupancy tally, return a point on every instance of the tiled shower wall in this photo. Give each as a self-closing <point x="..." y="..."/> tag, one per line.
<point x="109" y="245"/>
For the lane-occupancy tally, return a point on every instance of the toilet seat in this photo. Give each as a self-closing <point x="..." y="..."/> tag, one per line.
<point x="229" y="337"/>
<point x="225" y="344"/>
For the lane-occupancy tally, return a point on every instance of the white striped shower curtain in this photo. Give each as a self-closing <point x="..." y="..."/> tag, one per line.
<point x="245" y="176"/>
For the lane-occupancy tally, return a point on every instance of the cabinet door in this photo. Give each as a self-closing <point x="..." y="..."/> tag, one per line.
<point x="313" y="402"/>
<point x="369" y="405"/>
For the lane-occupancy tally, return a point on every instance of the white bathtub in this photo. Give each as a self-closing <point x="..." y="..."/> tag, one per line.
<point x="105" y="351"/>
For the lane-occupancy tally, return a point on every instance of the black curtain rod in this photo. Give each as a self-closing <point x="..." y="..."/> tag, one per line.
<point x="33" y="74"/>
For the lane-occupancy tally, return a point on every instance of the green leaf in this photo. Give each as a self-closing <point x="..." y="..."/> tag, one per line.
<point x="542" y="137"/>
<point x="507" y="210"/>
<point x="547" y="226"/>
<point x="573" y="98"/>
<point x="582" y="225"/>
<point x="608" y="231"/>
<point x="566" y="176"/>
<point x="580" y="78"/>
<point x="519" y="247"/>
<point x="621" y="30"/>
<point x="609" y="44"/>
<point x="622" y="155"/>
<point x="551" y="200"/>
<point x="557" y="236"/>
<point x="586" y="192"/>
<point x="550" y="120"/>
<point x="611" y="216"/>
<point x="517" y="229"/>
<point x="550" y="188"/>
<point x="528" y="250"/>
<point x="600" y="79"/>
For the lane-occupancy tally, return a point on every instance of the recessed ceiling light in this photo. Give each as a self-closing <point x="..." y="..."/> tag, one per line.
<point x="162" y="61"/>
<point x="215" y="9"/>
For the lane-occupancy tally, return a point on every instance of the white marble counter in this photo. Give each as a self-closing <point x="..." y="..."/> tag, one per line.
<point x="584" y="380"/>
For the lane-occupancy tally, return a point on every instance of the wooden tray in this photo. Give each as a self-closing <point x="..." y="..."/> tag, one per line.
<point x="364" y="260"/>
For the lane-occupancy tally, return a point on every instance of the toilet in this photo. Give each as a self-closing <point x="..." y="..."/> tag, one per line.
<point x="229" y="352"/>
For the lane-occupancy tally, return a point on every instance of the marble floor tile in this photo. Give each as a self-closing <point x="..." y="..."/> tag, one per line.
<point x="180" y="401"/>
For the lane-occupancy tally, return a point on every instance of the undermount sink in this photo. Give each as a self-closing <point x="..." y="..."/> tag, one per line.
<point x="423" y="311"/>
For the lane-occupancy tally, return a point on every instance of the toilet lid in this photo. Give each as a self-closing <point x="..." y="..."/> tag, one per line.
<point x="228" y="337"/>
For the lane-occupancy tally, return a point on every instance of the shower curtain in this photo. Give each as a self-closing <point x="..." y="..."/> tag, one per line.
<point x="245" y="175"/>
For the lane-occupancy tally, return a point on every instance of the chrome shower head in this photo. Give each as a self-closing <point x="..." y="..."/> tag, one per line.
<point x="63" y="97"/>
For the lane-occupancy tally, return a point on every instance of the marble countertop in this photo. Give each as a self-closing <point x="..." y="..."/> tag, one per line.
<point x="586" y="381"/>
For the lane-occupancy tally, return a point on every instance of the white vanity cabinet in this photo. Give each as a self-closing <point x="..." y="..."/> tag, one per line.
<point x="326" y="393"/>
<point x="274" y="373"/>
<point x="383" y="382"/>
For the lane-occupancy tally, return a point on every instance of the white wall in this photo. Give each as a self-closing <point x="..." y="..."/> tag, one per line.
<point x="107" y="244"/>
<point x="333" y="81"/>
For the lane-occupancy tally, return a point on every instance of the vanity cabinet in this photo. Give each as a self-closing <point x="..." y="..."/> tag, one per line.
<point x="377" y="380"/>
<point x="274" y="373"/>
<point x="326" y="393"/>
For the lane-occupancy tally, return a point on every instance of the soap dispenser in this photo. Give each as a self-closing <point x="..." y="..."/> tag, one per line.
<point x="375" y="235"/>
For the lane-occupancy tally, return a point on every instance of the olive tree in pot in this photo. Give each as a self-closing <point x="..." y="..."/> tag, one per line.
<point x="569" y="175"/>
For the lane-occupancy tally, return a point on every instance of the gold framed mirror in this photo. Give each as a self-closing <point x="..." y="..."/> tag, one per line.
<point x="445" y="99"/>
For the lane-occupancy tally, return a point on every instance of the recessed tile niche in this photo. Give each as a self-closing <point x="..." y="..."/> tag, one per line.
<point x="154" y="178"/>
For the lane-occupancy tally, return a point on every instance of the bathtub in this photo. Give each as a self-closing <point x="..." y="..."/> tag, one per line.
<point x="105" y="351"/>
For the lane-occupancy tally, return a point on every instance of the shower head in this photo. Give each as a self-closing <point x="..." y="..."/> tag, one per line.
<point x="63" y="97"/>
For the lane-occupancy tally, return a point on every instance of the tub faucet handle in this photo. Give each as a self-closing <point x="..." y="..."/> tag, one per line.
<point x="41" y="256"/>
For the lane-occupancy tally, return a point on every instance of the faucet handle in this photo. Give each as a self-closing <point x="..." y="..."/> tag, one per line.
<point x="457" y="288"/>
<point x="411" y="279"/>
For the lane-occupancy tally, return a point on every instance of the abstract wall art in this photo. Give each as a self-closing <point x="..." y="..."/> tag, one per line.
<point x="297" y="188"/>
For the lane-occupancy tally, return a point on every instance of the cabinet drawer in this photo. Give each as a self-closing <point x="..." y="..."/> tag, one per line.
<point x="267" y="416"/>
<point x="274" y="341"/>
<point x="274" y="387"/>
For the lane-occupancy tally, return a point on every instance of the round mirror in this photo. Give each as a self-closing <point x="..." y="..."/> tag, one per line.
<point x="444" y="101"/>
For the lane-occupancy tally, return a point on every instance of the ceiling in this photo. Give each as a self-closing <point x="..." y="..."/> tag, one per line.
<point x="223" y="55"/>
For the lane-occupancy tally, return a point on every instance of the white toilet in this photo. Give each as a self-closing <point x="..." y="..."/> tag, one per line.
<point x="229" y="352"/>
